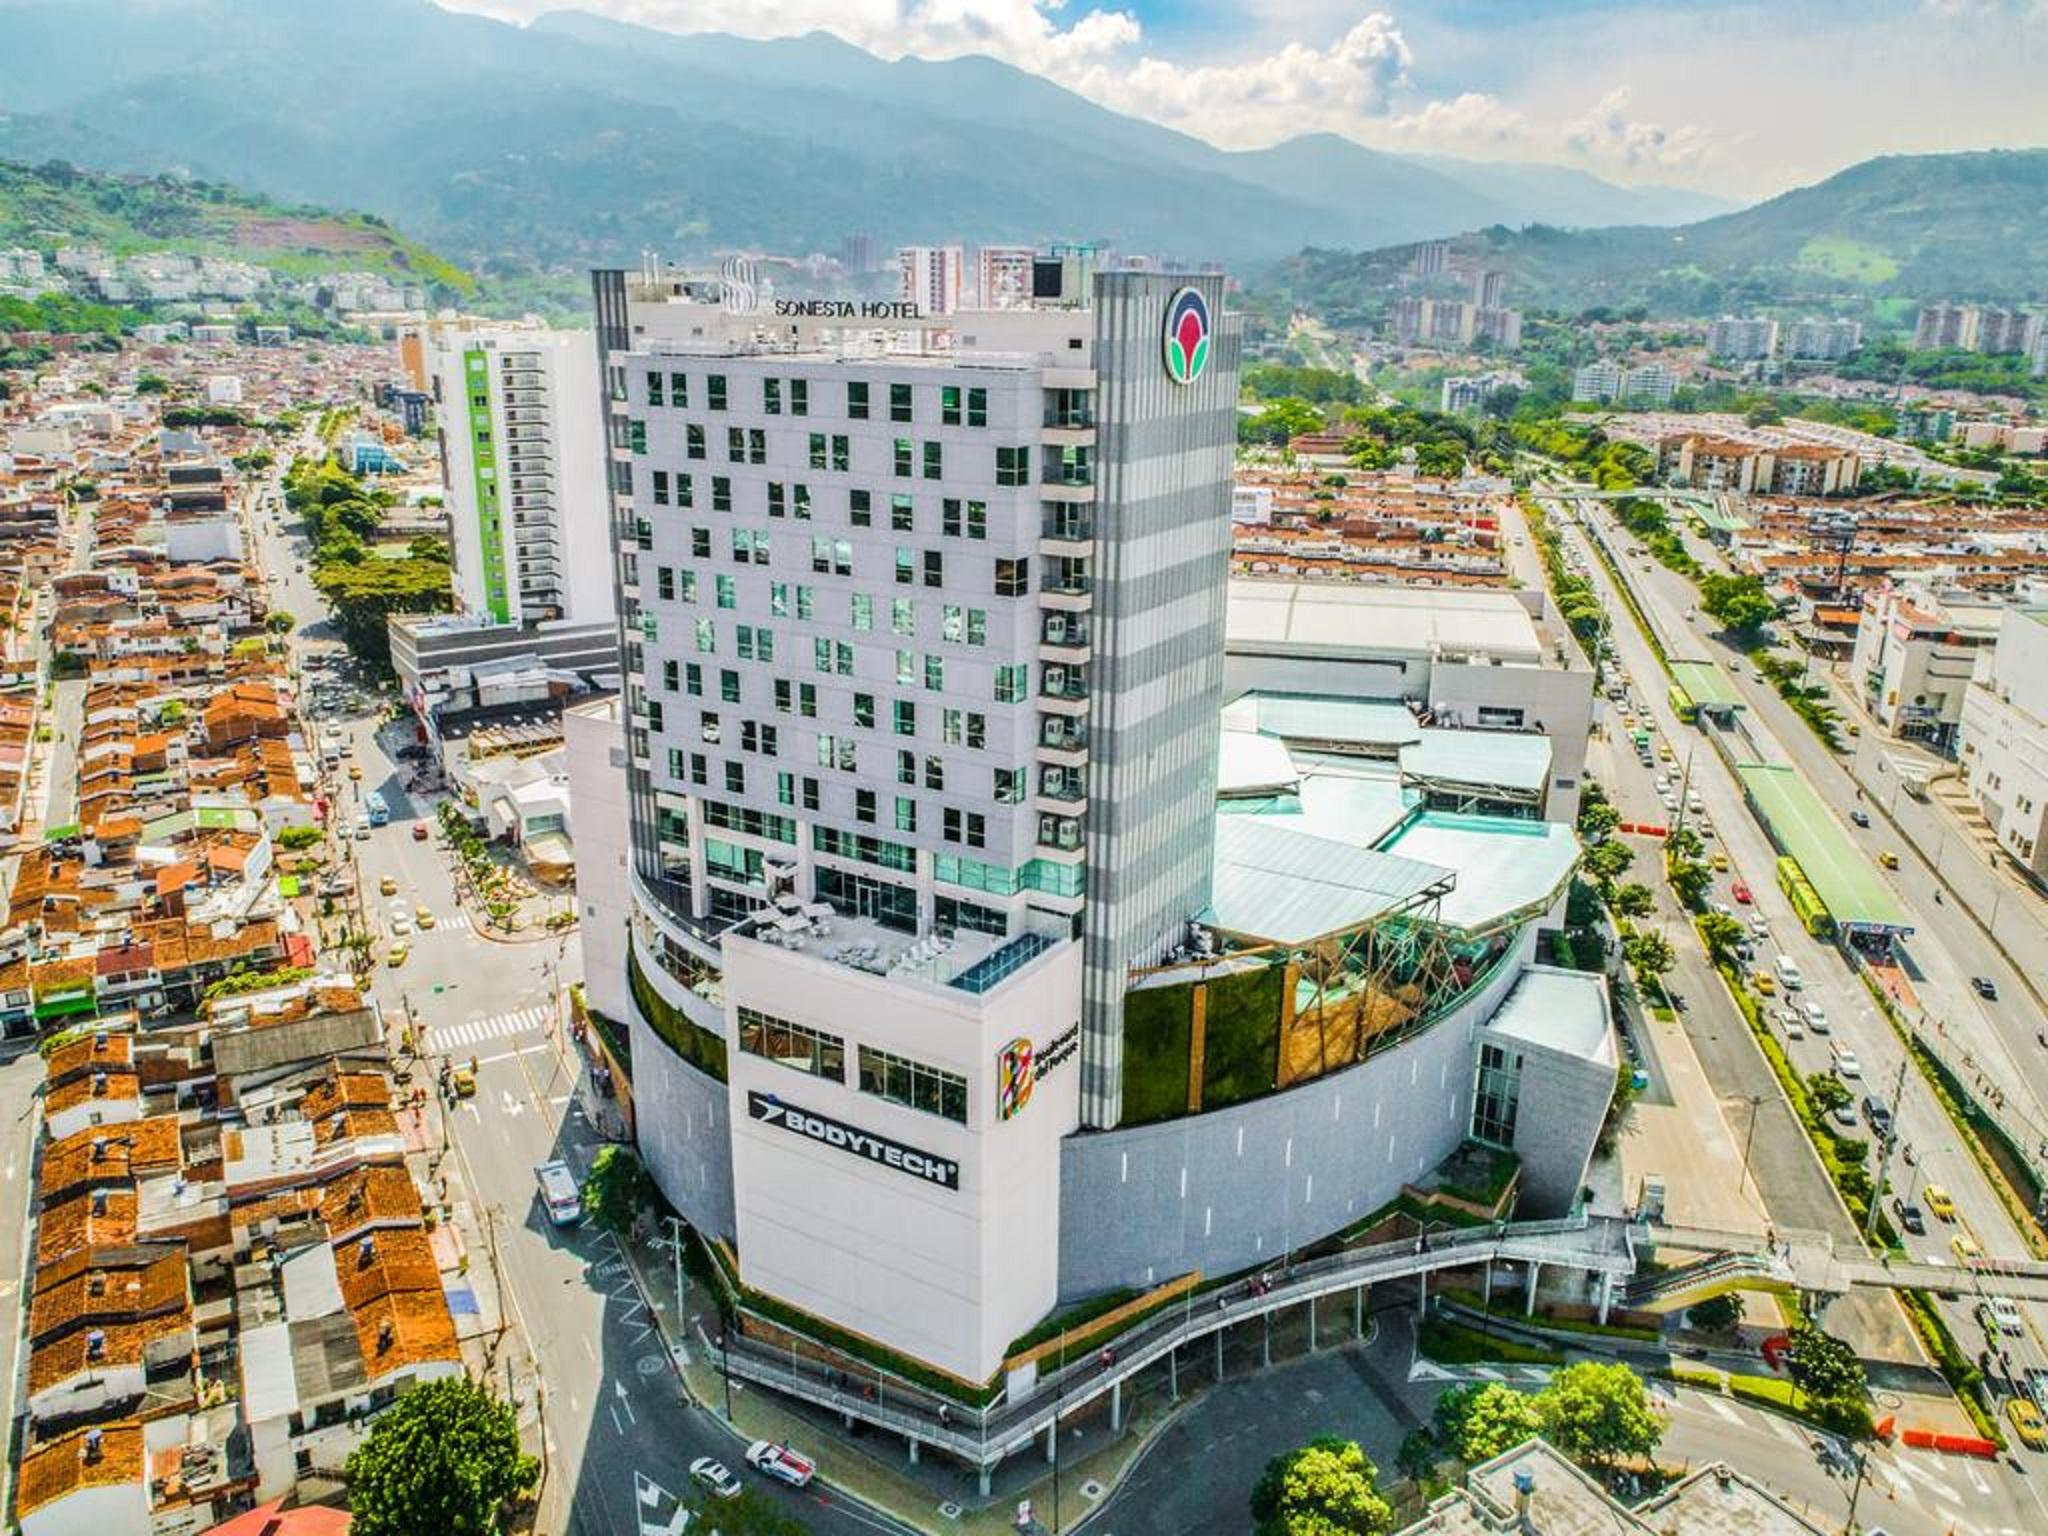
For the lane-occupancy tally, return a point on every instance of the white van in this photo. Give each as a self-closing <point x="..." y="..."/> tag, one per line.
<point x="1788" y="973"/>
<point x="559" y="1194"/>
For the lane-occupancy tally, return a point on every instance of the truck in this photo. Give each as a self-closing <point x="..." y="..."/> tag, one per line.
<point x="781" y="1462"/>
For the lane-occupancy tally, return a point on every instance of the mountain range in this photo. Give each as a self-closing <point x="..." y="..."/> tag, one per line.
<point x="1900" y="228"/>
<point x="579" y="140"/>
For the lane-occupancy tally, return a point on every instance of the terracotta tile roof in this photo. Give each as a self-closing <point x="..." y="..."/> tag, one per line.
<point x="63" y="1467"/>
<point x="355" y="1122"/>
<point x="387" y="1260"/>
<point x="119" y="1344"/>
<point x="111" y="1154"/>
<point x="92" y="1218"/>
<point x="345" y="1090"/>
<point x="108" y="1284"/>
<point x="363" y="1196"/>
<point x="118" y="1087"/>
<point x="273" y="1519"/>
<point x="420" y="1331"/>
<point x="88" y="1052"/>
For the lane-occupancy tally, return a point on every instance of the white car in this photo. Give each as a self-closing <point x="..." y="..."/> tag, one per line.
<point x="714" y="1476"/>
<point x="1846" y="1064"/>
<point x="1999" y="1315"/>
<point x="1790" y="1023"/>
<point x="1670" y="802"/>
<point x="1816" y="1019"/>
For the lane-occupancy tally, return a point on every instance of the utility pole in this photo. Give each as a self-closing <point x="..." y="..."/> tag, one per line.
<point x="1755" y="1099"/>
<point x="1884" y="1155"/>
<point x="675" y="1233"/>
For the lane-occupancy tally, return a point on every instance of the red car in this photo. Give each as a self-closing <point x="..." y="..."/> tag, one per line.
<point x="1741" y="893"/>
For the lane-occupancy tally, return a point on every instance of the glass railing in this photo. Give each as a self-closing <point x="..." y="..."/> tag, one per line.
<point x="1074" y="739"/>
<point x="1067" y="527"/>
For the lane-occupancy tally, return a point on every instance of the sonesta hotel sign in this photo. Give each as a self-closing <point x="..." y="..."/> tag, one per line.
<point x="770" y="1110"/>
<point x="848" y="309"/>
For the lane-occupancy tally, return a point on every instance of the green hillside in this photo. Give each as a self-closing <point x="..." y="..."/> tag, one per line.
<point x="45" y="205"/>
<point x="1870" y="241"/>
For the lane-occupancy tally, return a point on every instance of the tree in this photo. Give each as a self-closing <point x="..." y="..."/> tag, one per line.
<point x="445" y="1457"/>
<point x="1740" y="603"/>
<point x="1822" y="1366"/>
<point x="1717" y="1314"/>
<point x="1599" y="1414"/>
<point x="617" y="1188"/>
<point x="1481" y="1419"/>
<point x="1323" y="1488"/>
<point x="1279" y="422"/>
<point x="1649" y="954"/>
<point x="1632" y="900"/>
<point x="749" y="1514"/>
<point x="1721" y="933"/>
<point x="1826" y="1092"/>
<point x="1689" y="880"/>
<point x="1597" y="819"/>
<point x="292" y="839"/>
<point x="1608" y="860"/>
<point x="1440" y="460"/>
<point x="280" y="622"/>
<point x="1416" y="1459"/>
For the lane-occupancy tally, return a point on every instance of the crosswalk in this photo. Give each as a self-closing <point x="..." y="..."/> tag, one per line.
<point x="497" y="1026"/>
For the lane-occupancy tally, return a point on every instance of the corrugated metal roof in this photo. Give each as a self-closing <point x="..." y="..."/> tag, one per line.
<point x="1291" y="887"/>
<point x="1516" y="760"/>
<point x="1707" y="684"/>
<point x="1801" y="824"/>
<point x="1507" y="869"/>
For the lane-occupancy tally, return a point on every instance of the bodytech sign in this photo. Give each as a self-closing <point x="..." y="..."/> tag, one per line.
<point x="770" y="1110"/>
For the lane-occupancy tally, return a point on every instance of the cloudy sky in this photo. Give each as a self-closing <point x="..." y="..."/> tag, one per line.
<point x="1729" y="96"/>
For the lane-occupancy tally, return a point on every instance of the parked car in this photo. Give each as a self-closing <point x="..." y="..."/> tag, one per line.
<point x="713" y="1476"/>
<point x="1789" y="1022"/>
<point x="1844" y="1115"/>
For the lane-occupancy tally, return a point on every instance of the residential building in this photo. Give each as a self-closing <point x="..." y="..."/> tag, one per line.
<point x="1916" y="650"/>
<point x="933" y="277"/>
<point x="1651" y="384"/>
<point x="522" y="458"/>
<point x="1747" y="465"/>
<point x="1002" y="276"/>
<point x="1432" y="258"/>
<point x="1821" y="340"/>
<point x="1742" y="340"/>
<point x="1490" y="289"/>
<point x="2004" y="740"/>
<point x="1946" y="325"/>
<point x="938" y="837"/>
<point x="2007" y="330"/>
<point x="1501" y="328"/>
<point x="1597" y="383"/>
<point x="1467" y="394"/>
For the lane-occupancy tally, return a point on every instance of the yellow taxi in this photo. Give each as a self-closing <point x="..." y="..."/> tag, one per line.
<point x="1888" y="859"/>
<point x="1664" y="751"/>
<point x="396" y="957"/>
<point x="2027" y="1422"/>
<point x="1937" y="1200"/>
<point x="387" y="886"/>
<point x="1965" y="1248"/>
<point x="355" y="771"/>
<point x="423" y="917"/>
<point x="1719" y="860"/>
<point x="1766" y="983"/>
<point x="463" y="1079"/>
<point x="1854" y="729"/>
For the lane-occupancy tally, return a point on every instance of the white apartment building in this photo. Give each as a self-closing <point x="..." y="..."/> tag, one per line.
<point x="933" y="840"/>
<point x="1002" y="276"/>
<point x="2004" y="739"/>
<point x="1652" y="384"/>
<point x="1821" y="340"/>
<point x="522" y="454"/>
<point x="1597" y="382"/>
<point x="1742" y="340"/>
<point x="932" y="277"/>
<point x="1916" y="650"/>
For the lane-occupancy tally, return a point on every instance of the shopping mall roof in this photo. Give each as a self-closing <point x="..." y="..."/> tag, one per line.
<point x="1514" y="761"/>
<point x="1251" y="764"/>
<point x="1559" y="1010"/>
<point x="1292" y="618"/>
<point x="1802" y="826"/>
<point x="1312" y="717"/>
<point x="1707" y="684"/>
<point x="1346" y="802"/>
<point x="1283" y="886"/>
<point x="1509" y="870"/>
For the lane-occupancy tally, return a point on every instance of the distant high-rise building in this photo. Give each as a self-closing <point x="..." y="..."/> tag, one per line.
<point x="2037" y="352"/>
<point x="2006" y="330"/>
<point x="857" y="253"/>
<point x="1597" y="382"/>
<point x="1489" y="289"/>
<point x="1452" y="323"/>
<point x="1946" y="325"/>
<point x="1821" y="340"/>
<point x="1744" y="340"/>
<point x="1501" y="327"/>
<point x="1002" y="276"/>
<point x="1464" y="394"/>
<point x="932" y="277"/>
<point x="1432" y="258"/>
<point x="1653" y="384"/>
<point x="523" y="460"/>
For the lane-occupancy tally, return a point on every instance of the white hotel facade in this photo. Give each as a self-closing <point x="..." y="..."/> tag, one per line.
<point x="923" y="629"/>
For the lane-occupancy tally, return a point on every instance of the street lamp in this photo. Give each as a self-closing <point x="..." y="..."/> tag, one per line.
<point x="1749" y="1136"/>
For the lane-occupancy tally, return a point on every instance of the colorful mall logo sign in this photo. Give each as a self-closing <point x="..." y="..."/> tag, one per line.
<point x="1015" y="1077"/>
<point x="1187" y="336"/>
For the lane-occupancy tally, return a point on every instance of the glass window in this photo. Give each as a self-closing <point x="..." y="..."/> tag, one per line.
<point x="842" y="453"/>
<point x="858" y="508"/>
<point x="1013" y="683"/>
<point x="906" y="717"/>
<point x="1013" y="578"/>
<point x="899" y="402"/>
<point x="799" y="397"/>
<point x="902" y="513"/>
<point x="904" y="454"/>
<point x="900" y="1080"/>
<point x="906" y="814"/>
<point x="949" y="405"/>
<point x="693" y="441"/>
<point x="678" y="389"/>
<point x="771" y="396"/>
<point x="934" y="568"/>
<point x="977" y="407"/>
<point x="863" y="611"/>
<point x="817" y="450"/>
<point x="653" y="387"/>
<point x="792" y="1045"/>
<point x="935" y="673"/>
<point x="721" y="493"/>
<point x="714" y="391"/>
<point x="857" y="400"/>
<point x="934" y="460"/>
<point x="1013" y="466"/>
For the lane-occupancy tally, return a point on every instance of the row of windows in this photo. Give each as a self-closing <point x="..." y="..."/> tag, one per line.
<point x="829" y="557"/>
<point x="958" y="518"/>
<point x="833" y="451"/>
<point x="1012" y="682"/>
<point x="958" y="406"/>
<point x="898" y="1079"/>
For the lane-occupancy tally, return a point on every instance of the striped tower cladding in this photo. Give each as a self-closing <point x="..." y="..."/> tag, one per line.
<point x="1162" y="555"/>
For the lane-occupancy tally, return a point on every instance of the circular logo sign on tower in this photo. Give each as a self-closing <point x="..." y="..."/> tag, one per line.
<point x="1186" y="339"/>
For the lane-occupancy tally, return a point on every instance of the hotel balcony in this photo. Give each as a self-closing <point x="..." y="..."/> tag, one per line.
<point x="1066" y="533"/>
<point x="1061" y="792"/>
<point x="1063" y="689"/>
<point x="1062" y="741"/>
<point x="1068" y="587"/>
<point x="1060" y="839"/>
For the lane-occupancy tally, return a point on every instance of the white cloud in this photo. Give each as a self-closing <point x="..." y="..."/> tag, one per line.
<point x="1470" y="123"/>
<point x="1609" y="136"/>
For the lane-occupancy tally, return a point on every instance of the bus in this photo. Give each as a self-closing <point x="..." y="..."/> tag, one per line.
<point x="375" y="807"/>
<point x="1683" y="706"/>
<point x="1807" y="906"/>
